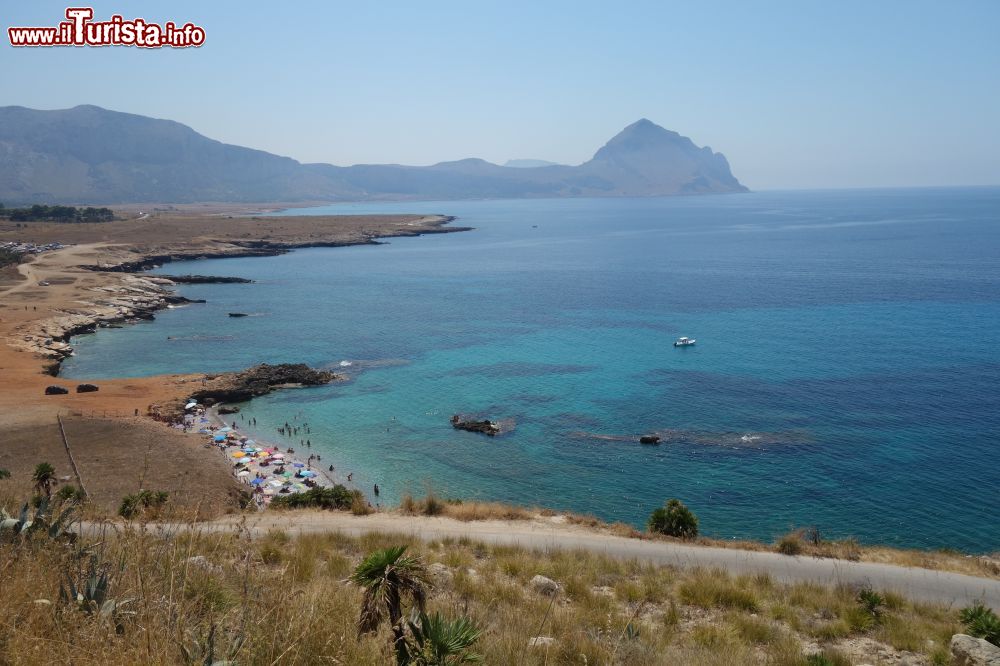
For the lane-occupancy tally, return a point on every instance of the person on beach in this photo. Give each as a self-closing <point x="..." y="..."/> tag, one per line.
<point x="331" y="468"/>
<point x="376" y="490"/>
<point x="350" y="475"/>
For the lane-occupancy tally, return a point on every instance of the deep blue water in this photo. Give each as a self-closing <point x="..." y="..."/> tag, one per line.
<point x="852" y="336"/>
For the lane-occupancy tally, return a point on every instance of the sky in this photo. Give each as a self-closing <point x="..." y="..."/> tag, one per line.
<point x="797" y="94"/>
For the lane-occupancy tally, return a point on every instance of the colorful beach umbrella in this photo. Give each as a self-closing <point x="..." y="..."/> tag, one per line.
<point x="238" y="454"/>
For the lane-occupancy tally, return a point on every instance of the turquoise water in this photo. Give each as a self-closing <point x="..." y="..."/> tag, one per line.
<point x="846" y="373"/>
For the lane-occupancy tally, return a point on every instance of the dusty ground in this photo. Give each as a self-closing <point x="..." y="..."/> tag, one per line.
<point x="48" y="294"/>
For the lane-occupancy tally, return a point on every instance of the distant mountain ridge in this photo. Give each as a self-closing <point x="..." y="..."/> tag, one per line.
<point x="88" y="155"/>
<point x="529" y="163"/>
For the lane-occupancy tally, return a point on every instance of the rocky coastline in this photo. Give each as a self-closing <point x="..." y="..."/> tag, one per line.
<point x="138" y="297"/>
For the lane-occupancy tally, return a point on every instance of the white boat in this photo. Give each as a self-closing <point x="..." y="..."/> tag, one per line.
<point x="684" y="342"/>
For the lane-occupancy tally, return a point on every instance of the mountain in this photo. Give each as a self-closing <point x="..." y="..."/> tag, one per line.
<point x="88" y="155"/>
<point x="529" y="164"/>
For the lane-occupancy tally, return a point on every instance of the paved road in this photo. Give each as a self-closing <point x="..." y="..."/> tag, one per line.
<point x="917" y="584"/>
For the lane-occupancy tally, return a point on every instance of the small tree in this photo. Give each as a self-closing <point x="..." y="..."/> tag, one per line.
<point x="387" y="576"/>
<point x="44" y="478"/>
<point x="674" y="519"/>
<point x="4" y="474"/>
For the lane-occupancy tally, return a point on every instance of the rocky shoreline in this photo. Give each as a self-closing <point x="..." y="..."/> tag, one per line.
<point x="262" y="248"/>
<point x="133" y="299"/>
<point x="137" y="298"/>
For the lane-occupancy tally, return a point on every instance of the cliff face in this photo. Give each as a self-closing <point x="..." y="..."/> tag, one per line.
<point x="87" y="155"/>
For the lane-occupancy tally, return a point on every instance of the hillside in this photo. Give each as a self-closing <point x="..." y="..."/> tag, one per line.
<point x="88" y="155"/>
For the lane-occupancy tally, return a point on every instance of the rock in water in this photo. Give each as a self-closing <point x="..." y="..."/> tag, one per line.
<point x="969" y="651"/>
<point x="486" y="427"/>
<point x="260" y="380"/>
<point x="56" y="390"/>
<point x="227" y="409"/>
<point x="649" y="439"/>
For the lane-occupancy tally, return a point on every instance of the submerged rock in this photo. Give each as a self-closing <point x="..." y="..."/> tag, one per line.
<point x="486" y="427"/>
<point x="229" y="409"/>
<point x="649" y="439"/>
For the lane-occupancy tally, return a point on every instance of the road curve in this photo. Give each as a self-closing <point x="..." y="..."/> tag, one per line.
<point x="915" y="583"/>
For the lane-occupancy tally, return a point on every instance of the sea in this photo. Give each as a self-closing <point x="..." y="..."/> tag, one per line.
<point x="846" y="373"/>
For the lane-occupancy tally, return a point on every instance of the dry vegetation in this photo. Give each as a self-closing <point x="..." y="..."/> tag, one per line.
<point x="798" y="542"/>
<point x="285" y="600"/>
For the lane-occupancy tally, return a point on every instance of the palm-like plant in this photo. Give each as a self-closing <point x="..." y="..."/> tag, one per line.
<point x="387" y="577"/>
<point x="439" y="642"/>
<point x="44" y="478"/>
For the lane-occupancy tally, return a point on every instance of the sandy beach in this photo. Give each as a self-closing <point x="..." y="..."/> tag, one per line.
<point x="90" y="283"/>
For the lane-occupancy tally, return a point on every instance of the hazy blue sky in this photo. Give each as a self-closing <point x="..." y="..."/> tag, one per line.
<point x="796" y="94"/>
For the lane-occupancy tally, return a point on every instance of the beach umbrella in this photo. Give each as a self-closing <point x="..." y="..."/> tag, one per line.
<point x="256" y="482"/>
<point x="220" y="438"/>
<point x="203" y="432"/>
<point x="238" y="454"/>
<point x="244" y="472"/>
<point x="308" y="473"/>
<point x="191" y="405"/>
<point x="298" y="464"/>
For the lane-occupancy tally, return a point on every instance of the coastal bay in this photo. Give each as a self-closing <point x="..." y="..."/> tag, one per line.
<point x="818" y="393"/>
<point x="55" y="295"/>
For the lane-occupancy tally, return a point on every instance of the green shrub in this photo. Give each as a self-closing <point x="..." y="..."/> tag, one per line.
<point x="132" y="505"/>
<point x="337" y="497"/>
<point x="70" y="493"/>
<point x="4" y="474"/>
<point x="872" y="602"/>
<point x="674" y="519"/>
<point x="981" y="622"/>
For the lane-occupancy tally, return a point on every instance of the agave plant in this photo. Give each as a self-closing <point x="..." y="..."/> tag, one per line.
<point x="436" y="641"/>
<point x="55" y="525"/>
<point x="201" y="651"/>
<point x="90" y="593"/>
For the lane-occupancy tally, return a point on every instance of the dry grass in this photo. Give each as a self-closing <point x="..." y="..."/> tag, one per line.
<point x="797" y="542"/>
<point x="284" y="599"/>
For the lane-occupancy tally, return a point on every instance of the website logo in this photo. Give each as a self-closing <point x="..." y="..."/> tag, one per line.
<point x="79" y="29"/>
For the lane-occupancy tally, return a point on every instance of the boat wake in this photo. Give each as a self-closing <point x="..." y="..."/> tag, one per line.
<point x="736" y="440"/>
